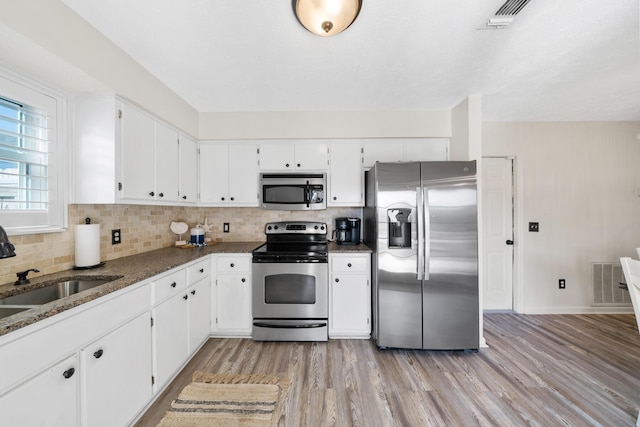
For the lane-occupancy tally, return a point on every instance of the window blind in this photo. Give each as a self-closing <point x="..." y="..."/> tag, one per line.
<point x="24" y="140"/>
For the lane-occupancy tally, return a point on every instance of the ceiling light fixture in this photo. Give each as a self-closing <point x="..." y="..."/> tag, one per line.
<point x="326" y="17"/>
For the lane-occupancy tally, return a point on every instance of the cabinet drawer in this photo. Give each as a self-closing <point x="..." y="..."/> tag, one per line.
<point x="233" y="264"/>
<point x="199" y="270"/>
<point x="168" y="285"/>
<point x="350" y="264"/>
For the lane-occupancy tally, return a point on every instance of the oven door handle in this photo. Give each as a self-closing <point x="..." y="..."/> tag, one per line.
<point x="291" y="326"/>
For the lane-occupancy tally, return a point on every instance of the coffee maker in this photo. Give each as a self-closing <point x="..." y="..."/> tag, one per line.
<point x="347" y="231"/>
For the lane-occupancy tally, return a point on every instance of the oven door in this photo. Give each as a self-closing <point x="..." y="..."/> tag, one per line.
<point x="290" y="290"/>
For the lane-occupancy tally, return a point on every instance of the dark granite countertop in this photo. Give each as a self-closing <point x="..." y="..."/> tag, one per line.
<point x="130" y="270"/>
<point x="361" y="248"/>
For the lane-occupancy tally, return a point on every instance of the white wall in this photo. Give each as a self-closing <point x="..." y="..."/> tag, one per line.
<point x="580" y="181"/>
<point x="47" y="41"/>
<point x="350" y="124"/>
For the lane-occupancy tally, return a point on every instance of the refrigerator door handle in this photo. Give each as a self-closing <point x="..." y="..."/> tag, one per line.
<point x="420" y="233"/>
<point x="426" y="233"/>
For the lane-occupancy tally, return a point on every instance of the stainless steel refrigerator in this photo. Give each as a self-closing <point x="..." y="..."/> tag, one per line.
<point x="421" y="221"/>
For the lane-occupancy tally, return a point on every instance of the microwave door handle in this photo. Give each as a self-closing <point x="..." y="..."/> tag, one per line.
<point x="307" y="194"/>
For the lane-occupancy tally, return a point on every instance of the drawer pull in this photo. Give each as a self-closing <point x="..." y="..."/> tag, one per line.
<point x="349" y="265"/>
<point x="244" y="280"/>
<point x="202" y="270"/>
<point x="337" y="280"/>
<point x="232" y="265"/>
<point x="174" y="284"/>
<point x="98" y="354"/>
<point x="185" y="297"/>
<point x="69" y="373"/>
<point x="193" y="292"/>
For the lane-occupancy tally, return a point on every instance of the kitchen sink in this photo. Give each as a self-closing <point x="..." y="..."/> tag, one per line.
<point x="52" y="292"/>
<point x="10" y="311"/>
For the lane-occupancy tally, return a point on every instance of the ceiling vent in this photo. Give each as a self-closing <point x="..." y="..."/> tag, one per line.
<point x="505" y="15"/>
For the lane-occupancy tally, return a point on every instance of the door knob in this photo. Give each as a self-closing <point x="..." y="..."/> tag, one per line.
<point x="509" y="242"/>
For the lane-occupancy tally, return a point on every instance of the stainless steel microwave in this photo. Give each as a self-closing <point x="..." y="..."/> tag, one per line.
<point x="293" y="191"/>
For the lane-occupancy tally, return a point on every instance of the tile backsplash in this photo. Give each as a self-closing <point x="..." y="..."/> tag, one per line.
<point x="145" y="228"/>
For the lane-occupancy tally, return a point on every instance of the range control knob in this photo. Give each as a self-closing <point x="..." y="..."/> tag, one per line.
<point x="275" y="227"/>
<point x="316" y="227"/>
<point x="268" y="227"/>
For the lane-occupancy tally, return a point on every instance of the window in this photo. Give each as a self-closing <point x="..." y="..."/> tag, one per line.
<point x="29" y="158"/>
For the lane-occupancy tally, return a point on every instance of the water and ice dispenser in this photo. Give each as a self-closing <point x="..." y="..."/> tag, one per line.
<point x="399" y="223"/>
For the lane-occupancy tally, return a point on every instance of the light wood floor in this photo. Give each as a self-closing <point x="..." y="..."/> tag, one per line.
<point x="544" y="370"/>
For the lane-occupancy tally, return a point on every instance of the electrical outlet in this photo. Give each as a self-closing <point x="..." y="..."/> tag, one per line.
<point x="561" y="284"/>
<point x="116" y="237"/>
<point x="225" y="227"/>
<point x="534" y="227"/>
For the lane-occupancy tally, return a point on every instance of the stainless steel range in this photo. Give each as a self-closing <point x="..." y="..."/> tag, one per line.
<point x="290" y="283"/>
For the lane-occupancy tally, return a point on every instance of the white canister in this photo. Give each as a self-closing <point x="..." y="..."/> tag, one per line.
<point x="197" y="236"/>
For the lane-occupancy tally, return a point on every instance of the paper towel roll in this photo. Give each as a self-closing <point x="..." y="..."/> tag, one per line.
<point x="87" y="245"/>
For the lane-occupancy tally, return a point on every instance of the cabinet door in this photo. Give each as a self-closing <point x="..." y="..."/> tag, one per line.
<point x="350" y="306"/>
<point x="166" y="161"/>
<point x="311" y="156"/>
<point x="170" y="337"/>
<point x="137" y="136"/>
<point x="49" y="399"/>
<point x="346" y="179"/>
<point x="390" y="151"/>
<point x="431" y="150"/>
<point x="214" y="173"/>
<point x="276" y="156"/>
<point x="243" y="174"/>
<point x="117" y="374"/>
<point x="234" y="303"/>
<point x="188" y="170"/>
<point x="199" y="313"/>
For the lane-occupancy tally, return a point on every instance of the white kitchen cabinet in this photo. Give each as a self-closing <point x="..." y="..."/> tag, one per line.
<point x="289" y="156"/>
<point x="233" y="315"/>
<point x="188" y="170"/>
<point x="199" y="293"/>
<point x="166" y="163"/>
<point x="350" y="296"/>
<point x="199" y="313"/>
<point x="123" y="154"/>
<point x="170" y="337"/>
<point x="405" y="150"/>
<point x="431" y="150"/>
<point x="228" y="174"/>
<point x="137" y="136"/>
<point x="117" y="374"/>
<point x="149" y="157"/>
<point x="346" y="178"/>
<point x="48" y="399"/>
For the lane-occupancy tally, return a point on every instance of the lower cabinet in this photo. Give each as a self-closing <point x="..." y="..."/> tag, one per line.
<point x="170" y="337"/>
<point x="117" y="374"/>
<point x="234" y="304"/>
<point x="199" y="313"/>
<point x="48" y="399"/>
<point x="350" y="296"/>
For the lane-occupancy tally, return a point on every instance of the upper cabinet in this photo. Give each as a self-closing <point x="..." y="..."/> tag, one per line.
<point x="346" y="179"/>
<point x="122" y="154"/>
<point x="407" y="150"/>
<point x="188" y="170"/>
<point x="228" y="174"/>
<point x="290" y="156"/>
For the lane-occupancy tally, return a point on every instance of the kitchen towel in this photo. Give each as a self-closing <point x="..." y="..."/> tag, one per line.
<point x="87" y="245"/>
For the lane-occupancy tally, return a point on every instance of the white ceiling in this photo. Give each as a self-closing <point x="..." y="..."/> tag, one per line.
<point x="559" y="60"/>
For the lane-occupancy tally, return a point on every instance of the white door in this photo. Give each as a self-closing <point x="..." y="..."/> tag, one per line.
<point x="497" y="200"/>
